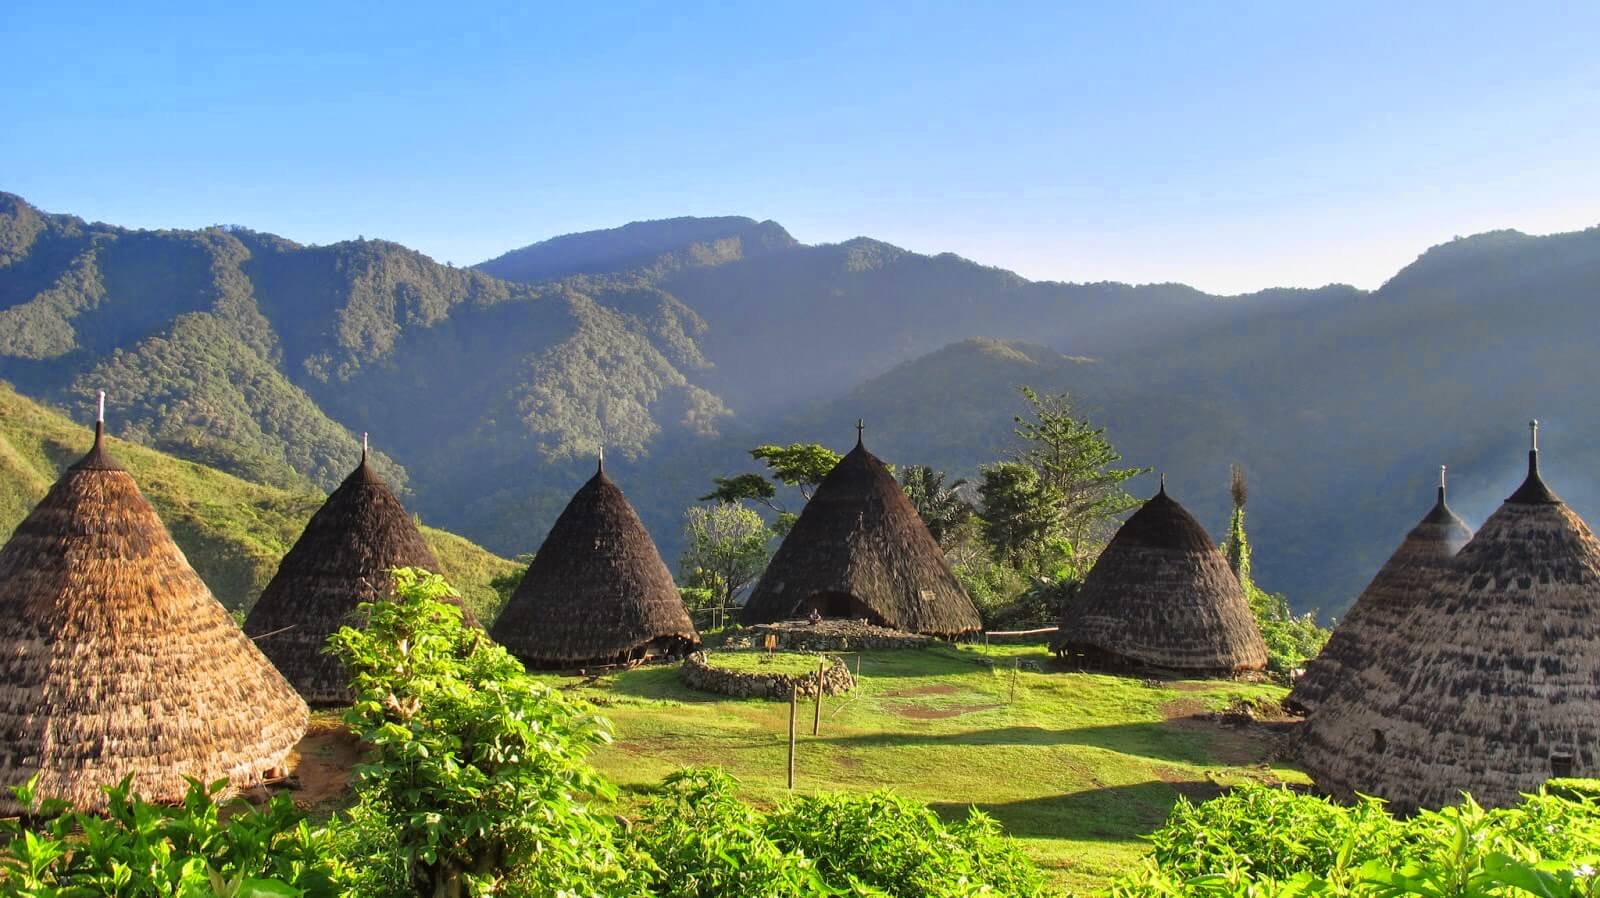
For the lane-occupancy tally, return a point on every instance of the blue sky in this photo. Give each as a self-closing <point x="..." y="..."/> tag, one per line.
<point x="1232" y="146"/>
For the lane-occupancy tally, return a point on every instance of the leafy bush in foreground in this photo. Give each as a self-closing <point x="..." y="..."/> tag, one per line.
<point x="1261" y="842"/>
<point x="187" y="851"/>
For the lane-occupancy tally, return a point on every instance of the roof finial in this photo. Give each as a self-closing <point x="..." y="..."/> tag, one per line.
<point x="601" y="469"/>
<point x="861" y="427"/>
<point x="100" y="420"/>
<point x="1533" y="430"/>
<point x="363" y="447"/>
<point x="1163" y="490"/>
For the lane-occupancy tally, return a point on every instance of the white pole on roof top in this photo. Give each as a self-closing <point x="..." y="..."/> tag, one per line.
<point x="1533" y="427"/>
<point x="1441" y="476"/>
<point x="101" y="418"/>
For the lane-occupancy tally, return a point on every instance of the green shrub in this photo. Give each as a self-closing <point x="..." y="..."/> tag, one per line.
<point x="187" y="851"/>
<point x="1258" y="841"/>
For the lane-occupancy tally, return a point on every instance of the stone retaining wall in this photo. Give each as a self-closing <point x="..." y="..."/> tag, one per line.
<point x="829" y="635"/>
<point x="697" y="673"/>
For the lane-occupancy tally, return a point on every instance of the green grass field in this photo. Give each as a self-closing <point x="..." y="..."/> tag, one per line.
<point x="1075" y="766"/>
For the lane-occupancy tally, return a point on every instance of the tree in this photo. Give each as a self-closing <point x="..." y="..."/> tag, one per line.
<point x="798" y="465"/>
<point x="478" y="772"/>
<point x="725" y="549"/>
<point x="941" y="507"/>
<point x="1237" y="546"/>
<point x="1075" y="463"/>
<point x="1020" y="513"/>
<point x="1291" y="639"/>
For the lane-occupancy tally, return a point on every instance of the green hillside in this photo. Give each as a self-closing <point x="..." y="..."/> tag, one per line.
<point x="233" y="531"/>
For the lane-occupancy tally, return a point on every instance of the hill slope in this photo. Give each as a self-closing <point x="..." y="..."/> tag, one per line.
<point x="233" y="532"/>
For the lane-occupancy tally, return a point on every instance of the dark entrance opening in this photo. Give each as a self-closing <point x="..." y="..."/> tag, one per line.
<point x="841" y="605"/>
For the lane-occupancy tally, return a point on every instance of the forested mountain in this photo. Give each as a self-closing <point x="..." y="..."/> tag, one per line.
<point x="678" y="344"/>
<point x="233" y="532"/>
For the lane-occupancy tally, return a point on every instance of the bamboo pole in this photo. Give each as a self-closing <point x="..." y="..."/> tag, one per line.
<point x="794" y="703"/>
<point x="816" y="716"/>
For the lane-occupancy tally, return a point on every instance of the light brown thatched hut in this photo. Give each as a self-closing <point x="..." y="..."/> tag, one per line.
<point x="343" y="558"/>
<point x="1494" y="683"/>
<point x="597" y="592"/>
<point x="1161" y="596"/>
<point x="1372" y="624"/>
<point x="115" y="659"/>
<point x="859" y="550"/>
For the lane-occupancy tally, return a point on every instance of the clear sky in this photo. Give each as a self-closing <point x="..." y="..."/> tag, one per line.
<point x="1228" y="145"/>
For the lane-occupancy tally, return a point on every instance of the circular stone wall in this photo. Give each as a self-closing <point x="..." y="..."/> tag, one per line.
<point x="828" y="635"/>
<point x="699" y="673"/>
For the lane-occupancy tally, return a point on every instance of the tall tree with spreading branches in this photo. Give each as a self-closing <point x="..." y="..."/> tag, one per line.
<point x="1077" y="464"/>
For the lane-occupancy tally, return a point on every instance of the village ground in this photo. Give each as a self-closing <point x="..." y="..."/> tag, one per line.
<point x="1076" y="766"/>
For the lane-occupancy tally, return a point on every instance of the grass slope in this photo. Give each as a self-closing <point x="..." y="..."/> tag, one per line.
<point x="234" y="532"/>
<point x="1076" y="766"/>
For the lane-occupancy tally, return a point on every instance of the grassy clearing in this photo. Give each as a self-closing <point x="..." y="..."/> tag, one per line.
<point x="1077" y="766"/>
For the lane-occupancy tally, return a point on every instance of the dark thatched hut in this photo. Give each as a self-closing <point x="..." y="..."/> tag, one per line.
<point x="1161" y="596"/>
<point x="1372" y="624"/>
<point x="343" y="558"/>
<point x="116" y="661"/>
<point x="1494" y="683"/>
<point x="597" y="592"/>
<point x="859" y="550"/>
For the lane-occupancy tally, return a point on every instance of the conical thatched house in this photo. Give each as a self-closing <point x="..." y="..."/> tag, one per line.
<point x="1161" y="596"/>
<point x="597" y="592"/>
<point x="1373" y="623"/>
<point x="1493" y="685"/>
<point x="859" y="550"/>
<point x="115" y="659"/>
<point x="342" y="559"/>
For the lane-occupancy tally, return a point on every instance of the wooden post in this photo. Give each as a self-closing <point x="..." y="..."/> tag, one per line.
<point x="794" y="702"/>
<point x="816" y="716"/>
<point x="858" y="668"/>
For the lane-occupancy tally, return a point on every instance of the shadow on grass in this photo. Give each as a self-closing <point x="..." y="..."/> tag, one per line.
<point x="1110" y="814"/>
<point x="1186" y="740"/>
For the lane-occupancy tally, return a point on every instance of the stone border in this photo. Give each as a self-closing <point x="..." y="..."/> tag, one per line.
<point x="699" y="673"/>
<point x="827" y="636"/>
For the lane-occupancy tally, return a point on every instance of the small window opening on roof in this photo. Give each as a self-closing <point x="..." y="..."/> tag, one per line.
<point x="1560" y="765"/>
<point x="1379" y="743"/>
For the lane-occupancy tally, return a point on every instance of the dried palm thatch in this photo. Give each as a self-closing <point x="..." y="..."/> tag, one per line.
<point x="343" y="558"/>
<point x="115" y="659"/>
<point x="597" y="592"/>
<point x="1161" y="596"/>
<point x="1372" y="625"/>
<point x="1494" y="685"/>
<point x="859" y="550"/>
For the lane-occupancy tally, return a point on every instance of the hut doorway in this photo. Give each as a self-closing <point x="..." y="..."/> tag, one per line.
<point x="840" y="605"/>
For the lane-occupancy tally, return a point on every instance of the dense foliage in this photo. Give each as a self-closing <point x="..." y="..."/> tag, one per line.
<point x="1259" y="842"/>
<point x="184" y="851"/>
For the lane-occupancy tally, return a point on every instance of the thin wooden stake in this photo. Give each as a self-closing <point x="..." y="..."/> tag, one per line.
<point x="794" y="704"/>
<point x="816" y="716"/>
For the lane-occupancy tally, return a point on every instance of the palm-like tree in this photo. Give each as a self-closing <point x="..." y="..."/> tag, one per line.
<point x="941" y="506"/>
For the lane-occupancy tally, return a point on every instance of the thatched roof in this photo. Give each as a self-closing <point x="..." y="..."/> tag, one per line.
<point x="859" y="549"/>
<point x="597" y="592"/>
<point x="1162" y="596"/>
<point x="116" y="660"/>
<point x="1493" y="684"/>
<point x="1373" y="622"/>
<point x="342" y="559"/>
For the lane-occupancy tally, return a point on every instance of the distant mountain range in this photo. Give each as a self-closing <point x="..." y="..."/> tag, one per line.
<point x="677" y="344"/>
